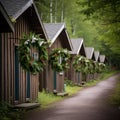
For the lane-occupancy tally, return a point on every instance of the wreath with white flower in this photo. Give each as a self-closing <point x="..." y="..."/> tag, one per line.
<point x="81" y="64"/>
<point x="59" y="59"/>
<point x="102" y="67"/>
<point x="27" y="61"/>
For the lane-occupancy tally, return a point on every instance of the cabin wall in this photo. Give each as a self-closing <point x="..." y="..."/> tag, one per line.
<point x="55" y="81"/>
<point x="70" y="74"/>
<point x="42" y="79"/>
<point x="11" y="71"/>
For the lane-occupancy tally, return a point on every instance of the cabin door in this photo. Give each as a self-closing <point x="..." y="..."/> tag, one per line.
<point x="16" y="75"/>
<point x="55" y="81"/>
<point x="28" y="85"/>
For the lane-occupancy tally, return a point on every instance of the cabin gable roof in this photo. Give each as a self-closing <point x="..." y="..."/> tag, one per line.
<point x="54" y="30"/>
<point x="78" y="46"/>
<point x="90" y="53"/>
<point x="5" y="23"/>
<point x="96" y="55"/>
<point x="102" y="58"/>
<point x="21" y="6"/>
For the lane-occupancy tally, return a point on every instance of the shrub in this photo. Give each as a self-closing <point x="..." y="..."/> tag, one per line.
<point x="69" y="82"/>
<point x="8" y="112"/>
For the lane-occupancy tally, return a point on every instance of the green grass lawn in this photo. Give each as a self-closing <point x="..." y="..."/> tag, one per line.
<point x="46" y="99"/>
<point x="72" y="89"/>
<point x="115" y="97"/>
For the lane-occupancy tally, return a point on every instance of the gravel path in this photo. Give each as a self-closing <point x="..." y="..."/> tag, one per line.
<point x="89" y="104"/>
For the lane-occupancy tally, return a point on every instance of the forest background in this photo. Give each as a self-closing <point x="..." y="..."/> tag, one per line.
<point x="96" y="21"/>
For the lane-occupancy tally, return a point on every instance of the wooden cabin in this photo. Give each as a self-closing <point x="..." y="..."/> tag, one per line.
<point x="90" y="55"/>
<point x="102" y="59"/>
<point x="78" y="49"/>
<point x="6" y="26"/>
<point x="59" y="38"/>
<point x="17" y="86"/>
<point x="96" y="53"/>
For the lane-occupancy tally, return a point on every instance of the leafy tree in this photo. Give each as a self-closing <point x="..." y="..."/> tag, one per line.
<point x="43" y="9"/>
<point x="85" y="19"/>
<point x="107" y="15"/>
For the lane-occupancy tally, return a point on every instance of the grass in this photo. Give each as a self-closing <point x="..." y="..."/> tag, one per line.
<point x="107" y="74"/>
<point x="115" y="97"/>
<point x="91" y="83"/>
<point x="8" y="112"/>
<point x="103" y="76"/>
<point x="45" y="99"/>
<point x="72" y="89"/>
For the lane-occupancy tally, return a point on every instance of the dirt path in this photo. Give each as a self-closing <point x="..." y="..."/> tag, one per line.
<point x="88" y="104"/>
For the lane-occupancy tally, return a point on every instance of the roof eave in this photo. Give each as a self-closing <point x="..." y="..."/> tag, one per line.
<point x="57" y="34"/>
<point x="80" y="47"/>
<point x="4" y="13"/>
<point x="70" y="43"/>
<point x="24" y="8"/>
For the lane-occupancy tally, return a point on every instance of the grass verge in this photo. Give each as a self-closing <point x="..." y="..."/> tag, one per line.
<point x="72" y="89"/>
<point x="46" y="99"/>
<point x="103" y="76"/>
<point x="107" y="74"/>
<point x="114" y="99"/>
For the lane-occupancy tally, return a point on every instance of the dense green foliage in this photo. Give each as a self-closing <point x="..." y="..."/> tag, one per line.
<point x="115" y="97"/>
<point x="97" y="21"/>
<point x="32" y="63"/>
<point x="7" y="112"/>
<point x="68" y="12"/>
<point x="106" y="15"/>
<point x="59" y="59"/>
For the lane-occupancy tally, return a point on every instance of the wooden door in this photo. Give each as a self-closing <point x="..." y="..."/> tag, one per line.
<point x="16" y="75"/>
<point x="28" y="85"/>
<point x="55" y="81"/>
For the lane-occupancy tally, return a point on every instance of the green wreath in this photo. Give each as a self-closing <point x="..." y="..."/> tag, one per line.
<point x="59" y="59"/>
<point x="96" y="67"/>
<point x="81" y="64"/>
<point x="102" y="67"/>
<point x="27" y="61"/>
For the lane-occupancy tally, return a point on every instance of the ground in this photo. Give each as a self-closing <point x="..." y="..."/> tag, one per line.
<point x="89" y="104"/>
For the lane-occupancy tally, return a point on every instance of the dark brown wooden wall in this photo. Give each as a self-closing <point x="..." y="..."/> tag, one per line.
<point x="70" y="74"/>
<point x="8" y="42"/>
<point x="59" y="80"/>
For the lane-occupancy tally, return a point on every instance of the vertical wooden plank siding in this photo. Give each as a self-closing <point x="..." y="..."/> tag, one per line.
<point x="8" y="42"/>
<point x="50" y="83"/>
<point x="11" y="67"/>
<point x="16" y="75"/>
<point x="2" y="54"/>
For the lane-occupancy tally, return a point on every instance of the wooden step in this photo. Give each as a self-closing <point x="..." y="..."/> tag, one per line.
<point x="27" y="105"/>
<point x="62" y="94"/>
